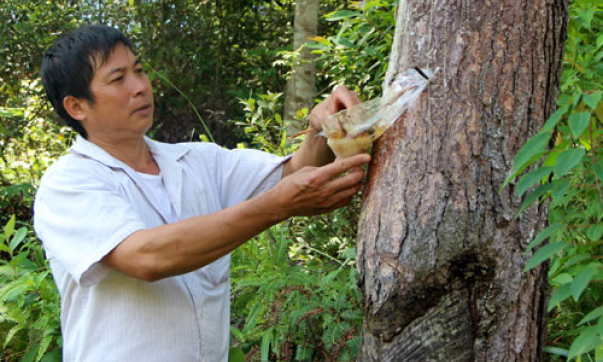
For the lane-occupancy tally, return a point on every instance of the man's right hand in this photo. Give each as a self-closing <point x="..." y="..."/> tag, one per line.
<point x="319" y="190"/>
<point x="184" y="246"/>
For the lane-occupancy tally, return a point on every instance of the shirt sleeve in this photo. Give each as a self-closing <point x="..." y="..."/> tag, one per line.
<point x="246" y="173"/>
<point x="80" y="217"/>
<point x="238" y="174"/>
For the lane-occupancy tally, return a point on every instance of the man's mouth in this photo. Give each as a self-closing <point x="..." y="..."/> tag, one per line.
<point x="143" y="109"/>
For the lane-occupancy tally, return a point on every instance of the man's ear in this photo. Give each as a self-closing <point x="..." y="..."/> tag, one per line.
<point x="75" y="107"/>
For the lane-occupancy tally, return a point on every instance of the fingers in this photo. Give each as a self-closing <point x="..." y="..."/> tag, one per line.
<point x="343" y="98"/>
<point x="353" y="178"/>
<point x="341" y="165"/>
<point x="342" y="197"/>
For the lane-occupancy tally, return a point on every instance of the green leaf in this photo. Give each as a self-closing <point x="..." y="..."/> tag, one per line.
<point x="341" y="14"/>
<point x="54" y="356"/>
<point x="533" y="147"/>
<point x="545" y="253"/>
<point x="43" y="346"/>
<point x="17" y="238"/>
<point x="531" y="178"/>
<point x="535" y="195"/>
<point x="554" y="119"/>
<point x="567" y="160"/>
<point x="578" y="123"/>
<point x="265" y="350"/>
<point x="581" y="282"/>
<point x="236" y="354"/>
<point x="562" y="278"/>
<point x="593" y="99"/>
<point x="588" y="340"/>
<point x="559" y="295"/>
<point x="30" y="355"/>
<point x="594" y="232"/>
<point x="547" y="232"/>
<point x="9" y="228"/>
<point x="587" y="16"/>
<point x="11" y="333"/>
<point x="598" y="169"/>
<point x="321" y="40"/>
<point x="594" y="314"/>
<point x="559" y="189"/>
<point x="557" y="351"/>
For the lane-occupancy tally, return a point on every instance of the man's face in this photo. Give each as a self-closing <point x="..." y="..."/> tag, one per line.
<point x="123" y="98"/>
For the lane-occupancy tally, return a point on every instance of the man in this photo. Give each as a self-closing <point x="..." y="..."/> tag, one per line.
<point x="137" y="233"/>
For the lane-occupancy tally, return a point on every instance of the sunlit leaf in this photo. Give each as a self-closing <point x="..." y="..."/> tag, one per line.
<point x="341" y="14"/>
<point x="9" y="228"/>
<point x="17" y="238"/>
<point x="321" y="40"/>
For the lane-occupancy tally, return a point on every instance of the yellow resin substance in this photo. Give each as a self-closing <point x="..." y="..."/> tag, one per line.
<point x="353" y="130"/>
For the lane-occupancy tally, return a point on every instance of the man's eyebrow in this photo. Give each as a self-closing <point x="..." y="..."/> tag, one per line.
<point x="122" y="69"/>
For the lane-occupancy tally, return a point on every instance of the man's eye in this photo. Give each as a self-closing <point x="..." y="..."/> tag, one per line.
<point x="139" y="70"/>
<point x="117" y="79"/>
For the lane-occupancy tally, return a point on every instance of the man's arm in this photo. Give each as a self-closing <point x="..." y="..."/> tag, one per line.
<point x="315" y="151"/>
<point x="187" y="245"/>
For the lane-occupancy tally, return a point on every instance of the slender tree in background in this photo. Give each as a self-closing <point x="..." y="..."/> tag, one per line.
<point x="440" y="253"/>
<point x="301" y="89"/>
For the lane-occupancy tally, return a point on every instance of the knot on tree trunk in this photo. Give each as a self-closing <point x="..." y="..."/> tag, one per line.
<point x="469" y="270"/>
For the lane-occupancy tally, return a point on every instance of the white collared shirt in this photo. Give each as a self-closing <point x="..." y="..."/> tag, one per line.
<point x="88" y="202"/>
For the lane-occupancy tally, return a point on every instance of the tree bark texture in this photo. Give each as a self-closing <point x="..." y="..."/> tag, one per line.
<point x="440" y="252"/>
<point x="301" y="87"/>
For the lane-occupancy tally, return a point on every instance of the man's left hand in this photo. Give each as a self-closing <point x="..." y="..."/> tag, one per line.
<point x="341" y="98"/>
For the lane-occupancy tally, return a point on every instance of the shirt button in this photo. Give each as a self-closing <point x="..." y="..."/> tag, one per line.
<point x="201" y="313"/>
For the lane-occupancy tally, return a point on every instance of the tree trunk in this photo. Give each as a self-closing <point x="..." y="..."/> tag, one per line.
<point x="440" y="252"/>
<point x="301" y="88"/>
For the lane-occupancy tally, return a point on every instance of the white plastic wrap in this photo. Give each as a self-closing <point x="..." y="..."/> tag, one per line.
<point x="353" y="130"/>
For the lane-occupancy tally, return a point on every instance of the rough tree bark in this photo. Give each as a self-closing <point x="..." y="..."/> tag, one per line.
<point x="301" y="88"/>
<point x="440" y="253"/>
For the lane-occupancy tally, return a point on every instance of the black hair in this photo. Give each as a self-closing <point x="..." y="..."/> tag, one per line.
<point x="68" y="66"/>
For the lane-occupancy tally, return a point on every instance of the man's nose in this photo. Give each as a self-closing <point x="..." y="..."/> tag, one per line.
<point x="140" y="84"/>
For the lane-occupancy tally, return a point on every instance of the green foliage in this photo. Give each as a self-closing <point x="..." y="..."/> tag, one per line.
<point x="295" y="303"/>
<point x="264" y="125"/>
<point x="29" y="301"/>
<point x="294" y="286"/>
<point x="356" y="55"/>
<point x="571" y="178"/>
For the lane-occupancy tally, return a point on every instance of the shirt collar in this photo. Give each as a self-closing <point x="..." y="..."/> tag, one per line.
<point x="165" y="151"/>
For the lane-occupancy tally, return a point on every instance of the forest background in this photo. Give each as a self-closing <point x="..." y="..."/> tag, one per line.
<point x="219" y="70"/>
